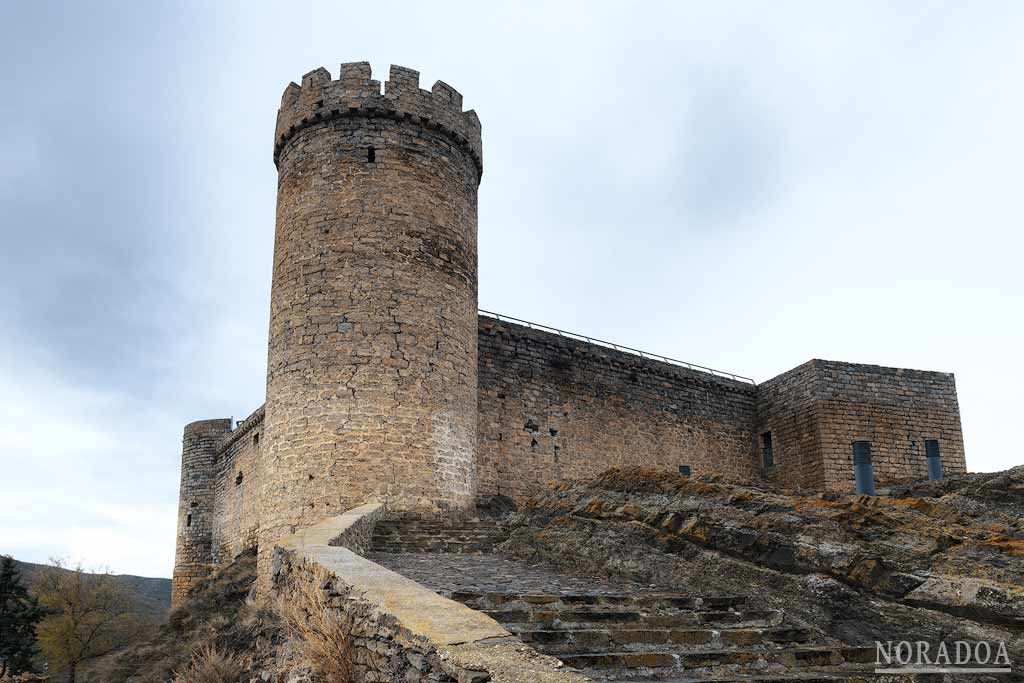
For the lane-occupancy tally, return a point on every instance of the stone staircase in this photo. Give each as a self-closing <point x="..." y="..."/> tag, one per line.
<point x="671" y="637"/>
<point x="473" y="536"/>
<point x="615" y="632"/>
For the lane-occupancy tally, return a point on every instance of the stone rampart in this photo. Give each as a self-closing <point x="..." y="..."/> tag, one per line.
<point x="552" y="407"/>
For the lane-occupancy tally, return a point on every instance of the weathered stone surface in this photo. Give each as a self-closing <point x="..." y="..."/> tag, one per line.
<point x="196" y="518"/>
<point x="553" y="407"/>
<point x="817" y="410"/>
<point x="860" y="566"/>
<point x="371" y="378"/>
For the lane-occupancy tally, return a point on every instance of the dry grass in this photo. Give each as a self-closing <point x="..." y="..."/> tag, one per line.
<point x="322" y="634"/>
<point x="210" y="665"/>
<point x="217" y="616"/>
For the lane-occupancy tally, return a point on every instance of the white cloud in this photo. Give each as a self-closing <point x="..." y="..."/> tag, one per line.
<point x="738" y="186"/>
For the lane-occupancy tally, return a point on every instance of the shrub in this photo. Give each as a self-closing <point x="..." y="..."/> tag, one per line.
<point x="321" y="634"/>
<point x="210" y="665"/>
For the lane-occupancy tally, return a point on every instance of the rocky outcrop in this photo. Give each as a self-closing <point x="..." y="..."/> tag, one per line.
<point x="929" y="561"/>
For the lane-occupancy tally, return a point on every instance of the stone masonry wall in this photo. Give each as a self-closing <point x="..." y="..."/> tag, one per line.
<point x="542" y="395"/>
<point x="816" y="411"/>
<point x="893" y="408"/>
<point x="787" y="408"/>
<point x="371" y="377"/>
<point x="236" y="500"/>
<point x="552" y="407"/>
<point x="196" y="514"/>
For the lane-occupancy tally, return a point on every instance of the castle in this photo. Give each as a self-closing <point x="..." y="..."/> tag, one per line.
<point x="385" y="382"/>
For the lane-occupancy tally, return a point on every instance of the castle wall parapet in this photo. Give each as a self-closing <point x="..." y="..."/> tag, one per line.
<point x="356" y="93"/>
<point x="554" y="407"/>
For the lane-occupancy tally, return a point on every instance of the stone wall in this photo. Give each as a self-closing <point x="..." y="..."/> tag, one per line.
<point x="552" y="407"/>
<point x="893" y="408"/>
<point x="816" y="411"/>
<point x="236" y="500"/>
<point x="787" y="409"/>
<point x="196" y="513"/>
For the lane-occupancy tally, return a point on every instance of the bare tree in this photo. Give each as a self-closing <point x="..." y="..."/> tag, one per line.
<point x="90" y="615"/>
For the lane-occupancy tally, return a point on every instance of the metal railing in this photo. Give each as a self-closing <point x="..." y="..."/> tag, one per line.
<point x="620" y="347"/>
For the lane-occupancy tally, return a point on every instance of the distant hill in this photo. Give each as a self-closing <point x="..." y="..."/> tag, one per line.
<point x="153" y="596"/>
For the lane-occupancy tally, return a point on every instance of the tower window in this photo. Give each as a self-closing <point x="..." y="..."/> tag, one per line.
<point x="684" y="470"/>
<point x="371" y="155"/>
<point x="256" y="439"/>
<point x="767" y="456"/>
<point x="188" y="519"/>
<point x="238" y="479"/>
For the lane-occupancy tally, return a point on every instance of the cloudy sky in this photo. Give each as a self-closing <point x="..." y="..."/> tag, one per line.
<point x="740" y="186"/>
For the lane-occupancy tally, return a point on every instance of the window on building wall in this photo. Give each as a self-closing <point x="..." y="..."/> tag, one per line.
<point x="256" y="439"/>
<point x="684" y="470"/>
<point x="767" y="455"/>
<point x="238" y="479"/>
<point x="188" y="519"/>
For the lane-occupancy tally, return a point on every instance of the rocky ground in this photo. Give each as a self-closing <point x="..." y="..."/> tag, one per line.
<point x="930" y="561"/>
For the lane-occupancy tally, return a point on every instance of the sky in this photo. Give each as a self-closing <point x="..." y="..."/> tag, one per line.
<point x="742" y="185"/>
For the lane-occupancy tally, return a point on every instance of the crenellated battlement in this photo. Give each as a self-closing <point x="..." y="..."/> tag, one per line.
<point x="356" y="93"/>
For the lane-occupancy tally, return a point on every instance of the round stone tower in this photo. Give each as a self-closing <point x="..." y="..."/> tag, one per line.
<point x="193" y="553"/>
<point x="371" y="376"/>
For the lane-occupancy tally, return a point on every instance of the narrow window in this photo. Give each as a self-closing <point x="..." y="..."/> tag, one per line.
<point x="238" y="479"/>
<point x="767" y="456"/>
<point x="256" y="439"/>
<point x="934" y="459"/>
<point x="684" y="470"/>
<point x="188" y="519"/>
<point x="371" y="155"/>
<point x="863" y="470"/>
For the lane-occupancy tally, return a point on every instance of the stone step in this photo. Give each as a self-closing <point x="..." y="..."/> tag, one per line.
<point x="592" y="641"/>
<point x="447" y="547"/>
<point x="407" y="531"/>
<point x="433" y="542"/>
<point x="523" y="619"/>
<point x="668" y="601"/>
<point x="794" y="677"/>
<point x="435" y="528"/>
<point x="711" y="661"/>
<point x="414" y="536"/>
<point x="421" y="530"/>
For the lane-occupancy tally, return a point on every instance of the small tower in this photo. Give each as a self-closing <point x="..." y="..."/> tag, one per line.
<point x="193" y="553"/>
<point x="371" y="377"/>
